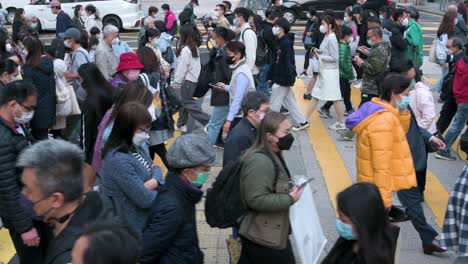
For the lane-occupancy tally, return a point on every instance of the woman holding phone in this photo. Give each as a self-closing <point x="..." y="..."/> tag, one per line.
<point x="327" y="87"/>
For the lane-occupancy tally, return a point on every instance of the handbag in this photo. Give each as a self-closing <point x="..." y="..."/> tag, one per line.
<point x="173" y="103"/>
<point x="432" y="52"/>
<point x="398" y="213"/>
<point x="234" y="247"/>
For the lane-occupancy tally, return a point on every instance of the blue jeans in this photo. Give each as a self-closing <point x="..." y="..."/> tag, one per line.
<point x="262" y="82"/>
<point x="218" y="116"/>
<point x="458" y="123"/>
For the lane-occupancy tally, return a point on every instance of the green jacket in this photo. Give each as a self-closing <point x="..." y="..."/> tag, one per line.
<point x="346" y="65"/>
<point x="414" y="37"/>
<point x="267" y="219"/>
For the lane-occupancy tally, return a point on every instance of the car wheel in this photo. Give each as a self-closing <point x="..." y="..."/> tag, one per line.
<point x="289" y="15"/>
<point x="11" y="15"/>
<point x="113" y="20"/>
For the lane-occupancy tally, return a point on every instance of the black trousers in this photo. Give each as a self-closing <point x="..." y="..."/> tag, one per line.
<point x="366" y="98"/>
<point x="421" y="179"/>
<point x="345" y="88"/>
<point x="159" y="149"/>
<point x="32" y="255"/>
<point x="448" y="111"/>
<point x="253" y="253"/>
<point x="307" y="58"/>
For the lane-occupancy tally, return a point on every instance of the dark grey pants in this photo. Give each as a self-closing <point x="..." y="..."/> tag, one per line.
<point x="190" y="106"/>
<point x="411" y="199"/>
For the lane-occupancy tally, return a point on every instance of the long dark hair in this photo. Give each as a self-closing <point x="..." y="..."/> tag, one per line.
<point x="270" y="124"/>
<point x="131" y="91"/>
<point x="77" y="11"/>
<point x="18" y="14"/>
<point x="447" y="25"/>
<point x="331" y="21"/>
<point x="188" y="39"/>
<point x="35" y="51"/>
<point x="363" y="204"/>
<point x="129" y="118"/>
<point x="91" y="8"/>
<point x="149" y="59"/>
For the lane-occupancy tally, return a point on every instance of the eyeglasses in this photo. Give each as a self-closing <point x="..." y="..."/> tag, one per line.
<point x="29" y="108"/>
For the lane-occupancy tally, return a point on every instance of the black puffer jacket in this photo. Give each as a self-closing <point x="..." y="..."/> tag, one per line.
<point x="14" y="216"/>
<point x="283" y="69"/>
<point x="43" y="78"/>
<point x="170" y="235"/>
<point x="399" y="44"/>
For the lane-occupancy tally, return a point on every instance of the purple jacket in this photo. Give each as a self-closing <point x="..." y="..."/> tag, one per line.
<point x="98" y="146"/>
<point x="119" y="79"/>
<point x="362" y="114"/>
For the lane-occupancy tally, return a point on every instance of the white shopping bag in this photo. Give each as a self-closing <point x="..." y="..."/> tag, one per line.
<point x="307" y="231"/>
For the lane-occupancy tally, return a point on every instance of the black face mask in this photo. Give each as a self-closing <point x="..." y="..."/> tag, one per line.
<point x="285" y="142"/>
<point x="229" y="60"/>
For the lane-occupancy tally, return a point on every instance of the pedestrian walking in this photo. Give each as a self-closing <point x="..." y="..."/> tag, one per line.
<point x="247" y="36"/>
<point x="327" y="87"/>
<point x="186" y="77"/>
<point x="127" y="173"/>
<point x="445" y="32"/>
<point x="104" y="55"/>
<point x="222" y="73"/>
<point x="308" y="38"/>
<point x="92" y="18"/>
<point x="362" y="240"/>
<point x="283" y="75"/>
<point x="39" y="69"/>
<point x="78" y="15"/>
<point x="63" y="21"/>
<point x="242" y="82"/>
<point x="346" y="71"/>
<point x="414" y="36"/>
<point x="18" y="22"/>
<point x="8" y="72"/>
<point x="170" y="234"/>
<point x="267" y="193"/>
<point x="129" y="69"/>
<point x="170" y="20"/>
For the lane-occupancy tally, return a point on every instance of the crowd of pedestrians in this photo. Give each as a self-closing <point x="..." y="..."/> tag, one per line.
<point x="82" y="118"/>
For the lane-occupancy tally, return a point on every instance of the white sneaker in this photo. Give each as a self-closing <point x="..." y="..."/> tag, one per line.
<point x="205" y="129"/>
<point x="181" y="129"/>
<point x="337" y="126"/>
<point x="301" y="126"/>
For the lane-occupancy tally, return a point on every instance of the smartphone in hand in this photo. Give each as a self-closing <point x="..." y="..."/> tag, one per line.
<point x="302" y="185"/>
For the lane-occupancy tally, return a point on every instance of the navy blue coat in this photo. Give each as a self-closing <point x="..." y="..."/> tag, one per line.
<point x="419" y="143"/>
<point x="170" y="235"/>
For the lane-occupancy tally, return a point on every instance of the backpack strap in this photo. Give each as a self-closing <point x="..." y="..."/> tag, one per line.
<point x="243" y="32"/>
<point x="74" y="55"/>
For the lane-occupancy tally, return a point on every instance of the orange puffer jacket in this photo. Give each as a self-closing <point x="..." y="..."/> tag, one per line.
<point x="383" y="154"/>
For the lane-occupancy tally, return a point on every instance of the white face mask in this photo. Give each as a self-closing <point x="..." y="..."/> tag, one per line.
<point x="115" y="41"/>
<point x="323" y="29"/>
<point x="405" y="22"/>
<point x="24" y="118"/>
<point x="67" y="43"/>
<point x="276" y="31"/>
<point x="140" y="138"/>
<point x="152" y="112"/>
<point x="214" y="44"/>
<point x="34" y="25"/>
<point x="8" y="47"/>
<point x="25" y="52"/>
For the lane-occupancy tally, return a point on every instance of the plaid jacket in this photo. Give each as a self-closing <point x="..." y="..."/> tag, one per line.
<point x="454" y="235"/>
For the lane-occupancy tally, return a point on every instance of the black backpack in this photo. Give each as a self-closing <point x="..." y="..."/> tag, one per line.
<point x="262" y="54"/>
<point x="223" y="204"/>
<point x="204" y="79"/>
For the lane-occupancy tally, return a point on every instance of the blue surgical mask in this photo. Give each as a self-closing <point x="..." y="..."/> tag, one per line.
<point x="235" y="22"/>
<point x="202" y="177"/>
<point x="345" y="230"/>
<point x="157" y="43"/>
<point x="403" y="104"/>
<point x="370" y="42"/>
<point x="381" y="17"/>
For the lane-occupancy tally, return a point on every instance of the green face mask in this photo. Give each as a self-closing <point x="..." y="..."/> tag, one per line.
<point x="202" y="177"/>
<point x="412" y="84"/>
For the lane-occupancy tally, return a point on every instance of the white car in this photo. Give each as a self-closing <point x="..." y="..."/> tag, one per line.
<point x="11" y="6"/>
<point x="123" y="14"/>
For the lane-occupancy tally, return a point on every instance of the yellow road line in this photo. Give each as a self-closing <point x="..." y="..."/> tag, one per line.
<point x="436" y="195"/>
<point x="7" y="250"/>
<point x="334" y="171"/>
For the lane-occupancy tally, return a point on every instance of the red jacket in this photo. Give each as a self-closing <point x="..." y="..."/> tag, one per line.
<point x="460" y="81"/>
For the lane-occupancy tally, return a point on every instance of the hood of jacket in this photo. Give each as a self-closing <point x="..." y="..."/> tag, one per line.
<point x="166" y="36"/>
<point x="183" y="187"/>
<point x="462" y="68"/>
<point x="357" y="120"/>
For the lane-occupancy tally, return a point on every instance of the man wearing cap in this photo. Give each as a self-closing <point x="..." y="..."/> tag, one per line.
<point x="170" y="235"/>
<point x="64" y="21"/>
<point x="105" y="57"/>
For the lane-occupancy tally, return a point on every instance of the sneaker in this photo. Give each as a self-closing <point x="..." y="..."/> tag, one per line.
<point x="445" y="155"/>
<point x="301" y="126"/>
<point x="325" y="113"/>
<point x="337" y="126"/>
<point x="346" y="134"/>
<point x="284" y="110"/>
<point x="348" y="112"/>
<point x="303" y="75"/>
<point x="307" y="96"/>
<point x="205" y="129"/>
<point x="181" y="129"/>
